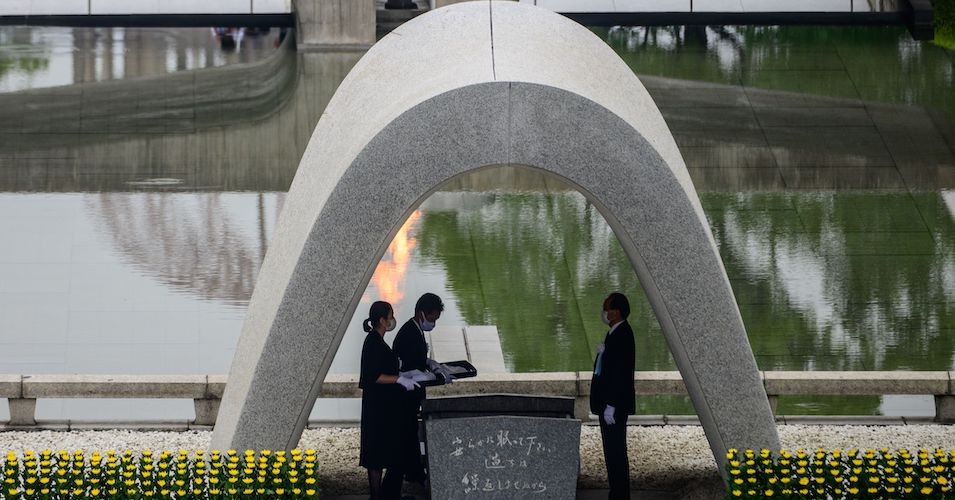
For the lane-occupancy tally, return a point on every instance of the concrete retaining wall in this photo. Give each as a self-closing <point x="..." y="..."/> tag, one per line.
<point x="22" y="391"/>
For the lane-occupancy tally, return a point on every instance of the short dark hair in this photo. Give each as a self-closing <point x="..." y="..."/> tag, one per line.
<point x="618" y="301"/>
<point x="429" y="303"/>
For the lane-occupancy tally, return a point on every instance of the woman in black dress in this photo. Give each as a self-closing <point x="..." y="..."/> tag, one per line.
<point x="381" y="390"/>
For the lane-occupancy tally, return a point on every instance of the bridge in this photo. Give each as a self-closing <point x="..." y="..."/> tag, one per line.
<point x="351" y="24"/>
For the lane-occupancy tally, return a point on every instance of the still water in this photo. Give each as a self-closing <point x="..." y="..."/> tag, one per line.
<point x="142" y="171"/>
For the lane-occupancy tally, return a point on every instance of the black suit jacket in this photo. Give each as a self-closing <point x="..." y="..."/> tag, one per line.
<point x="614" y="385"/>
<point x="412" y="351"/>
<point x="411" y="347"/>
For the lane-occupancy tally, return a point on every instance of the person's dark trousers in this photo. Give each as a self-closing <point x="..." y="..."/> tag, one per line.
<point x="614" y="439"/>
<point x="391" y="484"/>
<point x="412" y="464"/>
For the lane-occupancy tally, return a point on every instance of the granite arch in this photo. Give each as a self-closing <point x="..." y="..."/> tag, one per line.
<point x="502" y="84"/>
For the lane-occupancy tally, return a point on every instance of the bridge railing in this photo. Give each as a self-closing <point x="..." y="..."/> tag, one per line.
<point x="136" y="7"/>
<point x="22" y="391"/>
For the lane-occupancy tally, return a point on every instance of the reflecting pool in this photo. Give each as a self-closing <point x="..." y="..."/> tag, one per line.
<point x="136" y="206"/>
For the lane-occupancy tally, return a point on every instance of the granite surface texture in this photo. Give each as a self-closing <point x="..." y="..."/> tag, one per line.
<point x="503" y="457"/>
<point x="402" y="123"/>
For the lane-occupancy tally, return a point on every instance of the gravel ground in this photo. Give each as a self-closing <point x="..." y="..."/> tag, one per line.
<point x="669" y="458"/>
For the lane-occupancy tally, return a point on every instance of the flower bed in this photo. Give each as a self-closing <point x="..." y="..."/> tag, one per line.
<point x="163" y="475"/>
<point x="840" y="474"/>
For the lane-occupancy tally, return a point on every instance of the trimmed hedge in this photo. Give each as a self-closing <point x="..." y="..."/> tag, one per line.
<point x="840" y="474"/>
<point x="944" y="12"/>
<point x="165" y="475"/>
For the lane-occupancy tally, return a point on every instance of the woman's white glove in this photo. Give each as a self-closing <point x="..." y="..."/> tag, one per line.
<point x="408" y="383"/>
<point x="608" y="415"/>
<point x="439" y="369"/>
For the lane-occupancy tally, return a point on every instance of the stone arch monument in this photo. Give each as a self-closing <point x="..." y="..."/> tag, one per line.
<point x="461" y="88"/>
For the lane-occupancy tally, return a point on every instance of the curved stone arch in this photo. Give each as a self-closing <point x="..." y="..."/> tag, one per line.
<point x="375" y="157"/>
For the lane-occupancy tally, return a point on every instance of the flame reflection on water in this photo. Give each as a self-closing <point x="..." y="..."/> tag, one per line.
<point x="389" y="277"/>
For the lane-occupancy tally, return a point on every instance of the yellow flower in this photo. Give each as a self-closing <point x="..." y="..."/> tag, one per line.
<point x="926" y="490"/>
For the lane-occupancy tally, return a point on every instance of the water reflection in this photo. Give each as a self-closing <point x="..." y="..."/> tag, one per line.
<point x="32" y="58"/>
<point x="825" y="281"/>
<point x="877" y="64"/>
<point x="210" y="245"/>
<point x="127" y="231"/>
<point x="391" y="273"/>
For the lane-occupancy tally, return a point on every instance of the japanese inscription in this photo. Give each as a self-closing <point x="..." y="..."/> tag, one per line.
<point x="503" y="457"/>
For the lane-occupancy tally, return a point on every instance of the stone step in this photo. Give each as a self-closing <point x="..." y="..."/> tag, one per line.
<point x="480" y="345"/>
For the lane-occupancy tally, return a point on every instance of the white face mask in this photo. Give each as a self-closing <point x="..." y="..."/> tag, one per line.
<point x="391" y="325"/>
<point x="604" y="318"/>
<point x="426" y="326"/>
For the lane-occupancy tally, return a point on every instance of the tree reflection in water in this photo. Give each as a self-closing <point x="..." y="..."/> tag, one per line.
<point x="824" y="280"/>
<point x="206" y="244"/>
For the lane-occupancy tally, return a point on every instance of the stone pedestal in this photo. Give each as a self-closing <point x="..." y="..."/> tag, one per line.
<point x="22" y="411"/>
<point x="945" y="409"/>
<point x="582" y="408"/>
<point x="334" y="24"/>
<point x="206" y="411"/>
<point x="503" y="457"/>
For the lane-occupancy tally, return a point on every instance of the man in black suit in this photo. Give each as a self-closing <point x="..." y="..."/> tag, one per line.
<point x="612" y="392"/>
<point x="412" y="350"/>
